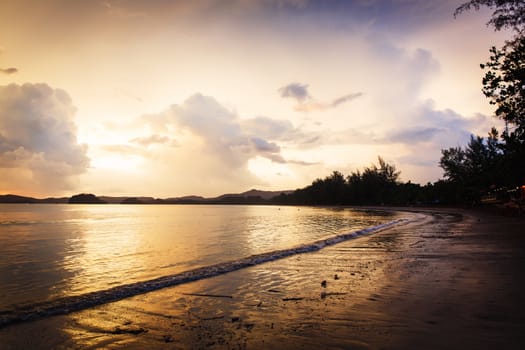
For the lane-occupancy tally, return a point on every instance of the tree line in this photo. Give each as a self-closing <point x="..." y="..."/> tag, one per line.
<point x="374" y="185"/>
<point x="497" y="161"/>
<point x="492" y="163"/>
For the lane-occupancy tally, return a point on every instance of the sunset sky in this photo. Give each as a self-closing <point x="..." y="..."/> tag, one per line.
<point x="171" y="98"/>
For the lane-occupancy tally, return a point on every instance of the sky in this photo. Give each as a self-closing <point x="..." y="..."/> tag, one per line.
<point x="173" y="98"/>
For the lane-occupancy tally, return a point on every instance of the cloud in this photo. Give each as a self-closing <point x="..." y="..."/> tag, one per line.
<point x="302" y="162"/>
<point x="306" y="103"/>
<point x="415" y="134"/>
<point x="215" y="149"/>
<point x="265" y="146"/>
<point x="303" y="138"/>
<point x="10" y="70"/>
<point x="214" y="146"/>
<point x="223" y="135"/>
<point x="447" y="127"/>
<point x="439" y="128"/>
<point x="269" y="128"/>
<point x="38" y="143"/>
<point x="296" y="91"/>
<point x="153" y="139"/>
<point x="297" y="137"/>
<point x="346" y="98"/>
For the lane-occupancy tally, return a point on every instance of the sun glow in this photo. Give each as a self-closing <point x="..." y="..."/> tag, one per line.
<point x="124" y="163"/>
<point x="265" y="168"/>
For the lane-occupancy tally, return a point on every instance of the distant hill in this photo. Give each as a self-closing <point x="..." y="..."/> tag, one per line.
<point x="255" y="193"/>
<point x="138" y="200"/>
<point x="60" y="200"/>
<point x="85" y="198"/>
<point x="252" y="196"/>
<point x="12" y="198"/>
<point x="121" y="200"/>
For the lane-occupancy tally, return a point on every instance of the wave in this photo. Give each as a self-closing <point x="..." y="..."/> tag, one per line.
<point x="74" y="303"/>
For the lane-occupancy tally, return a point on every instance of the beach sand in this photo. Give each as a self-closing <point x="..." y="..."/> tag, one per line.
<point x="452" y="279"/>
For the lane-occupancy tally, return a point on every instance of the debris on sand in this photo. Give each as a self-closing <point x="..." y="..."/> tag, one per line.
<point x="326" y="294"/>
<point x="168" y="338"/>
<point x="293" y="299"/>
<point x="129" y="330"/>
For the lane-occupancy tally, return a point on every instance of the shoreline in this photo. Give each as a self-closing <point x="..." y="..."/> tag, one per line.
<point x="450" y="280"/>
<point x="75" y="303"/>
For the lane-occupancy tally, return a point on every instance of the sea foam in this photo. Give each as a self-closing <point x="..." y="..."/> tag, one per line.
<point x="69" y="304"/>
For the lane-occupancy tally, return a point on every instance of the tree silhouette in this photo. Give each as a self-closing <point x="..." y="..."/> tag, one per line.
<point x="374" y="185"/>
<point x="493" y="162"/>
<point x="508" y="14"/>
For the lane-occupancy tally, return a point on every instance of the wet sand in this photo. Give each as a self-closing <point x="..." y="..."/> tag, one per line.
<point x="452" y="279"/>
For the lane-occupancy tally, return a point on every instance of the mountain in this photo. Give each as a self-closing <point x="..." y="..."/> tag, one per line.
<point x="256" y="193"/>
<point x="53" y="200"/>
<point x="127" y="200"/>
<point x="12" y="198"/>
<point x="86" y="198"/>
<point x="252" y="196"/>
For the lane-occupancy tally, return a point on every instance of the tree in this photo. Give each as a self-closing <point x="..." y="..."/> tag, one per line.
<point x="504" y="82"/>
<point x="504" y="85"/>
<point x="453" y="164"/>
<point x="508" y="14"/>
<point x="388" y="172"/>
<point x="474" y="169"/>
<point x="374" y="185"/>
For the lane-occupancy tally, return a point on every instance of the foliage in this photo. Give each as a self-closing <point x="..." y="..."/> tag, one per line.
<point x="504" y="81"/>
<point x="508" y="14"/>
<point x="491" y="163"/>
<point x="504" y="85"/>
<point x="475" y="168"/>
<point x="375" y="185"/>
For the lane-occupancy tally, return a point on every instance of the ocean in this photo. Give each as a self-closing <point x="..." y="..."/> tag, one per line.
<point x="59" y="258"/>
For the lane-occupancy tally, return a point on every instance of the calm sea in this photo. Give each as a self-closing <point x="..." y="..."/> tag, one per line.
<point x="50" y="251"/>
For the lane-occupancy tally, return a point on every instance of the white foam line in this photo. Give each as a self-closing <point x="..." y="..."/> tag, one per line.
<point x="84" y="301"/>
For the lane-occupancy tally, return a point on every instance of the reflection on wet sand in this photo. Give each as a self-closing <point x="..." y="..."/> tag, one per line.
<point x="405" y="287"/>
<point x="54" y="251"/>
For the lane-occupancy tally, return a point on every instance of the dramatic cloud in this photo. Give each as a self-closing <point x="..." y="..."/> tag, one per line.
<point x="214" y="148"/>
<point x="10" y="70"/>
<point x="269" y="128"/>
<point x="38" y="144"/>
<point x="438" y="129"/>
<point x="353" y="77"/>
<point x="443" y="128"/>
<point x="306" y="103"/>
<point x="221" y="131"/>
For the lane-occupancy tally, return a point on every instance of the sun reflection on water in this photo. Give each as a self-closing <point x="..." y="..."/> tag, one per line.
<point x="59" y="250"/>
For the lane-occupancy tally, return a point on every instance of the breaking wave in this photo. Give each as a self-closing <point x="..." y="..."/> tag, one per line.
<point x="74" y="303"/>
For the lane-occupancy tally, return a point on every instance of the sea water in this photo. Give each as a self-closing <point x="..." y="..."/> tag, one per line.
<point x="56" y="258"/>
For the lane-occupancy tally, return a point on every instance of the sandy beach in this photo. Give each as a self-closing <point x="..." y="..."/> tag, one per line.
<point x="451" y="279"/>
